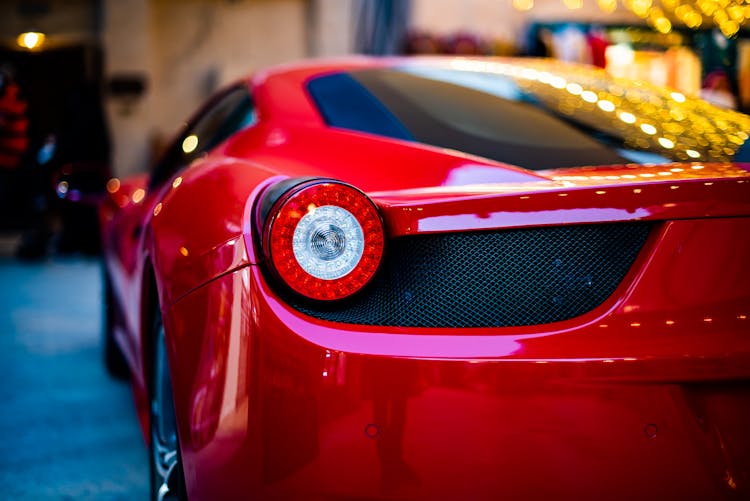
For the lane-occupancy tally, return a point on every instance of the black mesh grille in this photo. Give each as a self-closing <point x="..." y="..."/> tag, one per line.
<point x="492" y="279"/>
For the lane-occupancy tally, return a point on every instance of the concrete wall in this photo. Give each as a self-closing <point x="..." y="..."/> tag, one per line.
<point x="126" y="38"/>
<point x="200" y="45"/>
<point x="186" y="50"/>
<point x="332" y="26"/>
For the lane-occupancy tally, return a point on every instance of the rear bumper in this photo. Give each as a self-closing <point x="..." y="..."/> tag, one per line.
<point x="644" y="397"/>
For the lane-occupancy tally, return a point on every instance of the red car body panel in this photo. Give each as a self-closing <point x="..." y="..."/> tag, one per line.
<point x="644" y="396"/>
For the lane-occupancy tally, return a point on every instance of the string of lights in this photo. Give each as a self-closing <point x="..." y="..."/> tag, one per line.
<point x="728" y="15"/>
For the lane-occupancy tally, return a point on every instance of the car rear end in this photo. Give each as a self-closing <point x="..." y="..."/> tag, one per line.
<point x="574" y="332"/>
<point x="587" y="349"/>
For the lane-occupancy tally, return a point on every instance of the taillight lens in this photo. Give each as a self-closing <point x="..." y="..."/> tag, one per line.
<point x="324" y="239"/>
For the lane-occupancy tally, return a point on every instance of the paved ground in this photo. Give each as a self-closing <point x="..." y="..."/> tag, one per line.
<point x="67" y="431"/>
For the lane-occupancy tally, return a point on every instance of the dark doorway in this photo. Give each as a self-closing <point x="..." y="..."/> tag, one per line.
<point x="63" y="89"/>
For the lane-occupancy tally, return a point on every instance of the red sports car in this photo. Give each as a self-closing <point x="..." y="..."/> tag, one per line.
<point x="439" y="278"/>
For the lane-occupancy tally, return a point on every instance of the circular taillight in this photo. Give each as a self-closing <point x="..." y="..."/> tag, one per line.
<point x="324" y="239"/>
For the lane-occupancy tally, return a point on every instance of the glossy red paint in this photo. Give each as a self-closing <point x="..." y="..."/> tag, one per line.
<point x="625" y="400"/>
<point x="645" y="396"/>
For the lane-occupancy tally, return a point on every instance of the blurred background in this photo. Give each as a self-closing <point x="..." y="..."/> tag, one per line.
<point x="105" y="83"/>
<point x="108" y="81"/>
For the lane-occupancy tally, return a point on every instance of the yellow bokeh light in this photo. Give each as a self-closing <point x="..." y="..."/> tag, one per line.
<point x="608" y="6"/>
<point x="729" y="28"/>
<point x="648" y="129"/>
<point x="31" y="40"/>
<point x="574" y="89"/>
<point x="692" y="19"/>
<point x="523" y="4"/>
<point x="589" y="97"/>
<point x="626" y="117"/>
<point x="113" y="185"/>
<point x="666" y="143"/>
<point x="138" y="195"/>
<point x="640" y="7"/>
<point x="558" y="82"/>
<point x="678" y="97"/>
<point x="736" y="13"/>
<point x="605" y="105"/>
<point x="190" y="143"/>
<point x="663" y="25"/>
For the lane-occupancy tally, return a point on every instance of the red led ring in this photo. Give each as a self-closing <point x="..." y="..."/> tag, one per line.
<point x="335" y="200"/>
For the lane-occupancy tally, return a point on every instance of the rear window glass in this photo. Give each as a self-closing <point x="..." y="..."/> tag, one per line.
<point x="474" y="112"/>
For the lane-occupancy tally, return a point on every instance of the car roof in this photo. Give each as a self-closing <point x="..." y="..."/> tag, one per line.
<point x="638" y="112"/>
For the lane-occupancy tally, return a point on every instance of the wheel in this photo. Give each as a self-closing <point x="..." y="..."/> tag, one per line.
<point x="114" y="361"/>
<point x="167" y="478"/>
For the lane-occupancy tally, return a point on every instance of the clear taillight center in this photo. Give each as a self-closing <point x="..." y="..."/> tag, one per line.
<point x="328" y="242"/>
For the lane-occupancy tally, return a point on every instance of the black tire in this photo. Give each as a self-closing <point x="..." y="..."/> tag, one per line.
<point x="114" y="360"/>
<point x="165" y="459"/>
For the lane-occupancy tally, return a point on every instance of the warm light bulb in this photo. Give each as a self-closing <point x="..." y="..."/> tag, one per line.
<point x="30" y="40"/>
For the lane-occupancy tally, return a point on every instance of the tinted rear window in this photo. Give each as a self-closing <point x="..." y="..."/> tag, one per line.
<point x="480" y="113"/>
<point x="404" y="105"/>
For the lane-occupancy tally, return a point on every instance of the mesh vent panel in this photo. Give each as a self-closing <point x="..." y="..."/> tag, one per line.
<point x="492" y="279"/>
